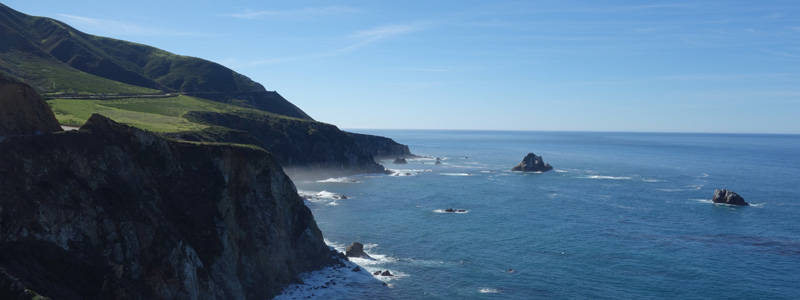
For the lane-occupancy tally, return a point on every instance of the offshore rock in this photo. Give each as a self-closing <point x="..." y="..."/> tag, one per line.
<point x="532" y="163"/>
<point x="356" y="249"/>
<point x="113" y="212"/>
<point x="22" y="110"/>
<point x="400" y="161"/>
<point x="728" y="197"/>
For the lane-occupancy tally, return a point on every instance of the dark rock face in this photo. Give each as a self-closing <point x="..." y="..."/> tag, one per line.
<point x="532" y="163"/>
<point x="400" y="161"/>
<point x="728" y="197"/>
<point x="23" y="111"/>
<point x="299" y="143"/>
<point x="381" y="147"/>
<point x="113" y="212"/>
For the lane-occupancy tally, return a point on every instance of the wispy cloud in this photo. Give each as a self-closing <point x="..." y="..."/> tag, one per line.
<point x="356" y="41"/>
<point x="294" y="13"/>
<point x="114" y="27"/>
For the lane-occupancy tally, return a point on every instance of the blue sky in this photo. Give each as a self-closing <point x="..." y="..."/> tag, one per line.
<point x="694" y="66"/>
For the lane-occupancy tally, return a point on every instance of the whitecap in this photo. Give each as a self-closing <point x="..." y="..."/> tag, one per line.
<point x="653" y="180"/>
<point x="561" y="171"/>
<point x="457" y="211"/>
<point x="330" y="283"/>
<point x="339" y="180"/>
<point x="671" y="190"/>
<point x="408" y="172"/>
<point x="455" y="174"/>
<point x="488" y="291"/>
<point x="608" y="177"/>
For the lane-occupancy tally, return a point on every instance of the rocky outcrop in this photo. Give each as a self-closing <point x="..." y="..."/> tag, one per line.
<point x="400" y="161"/>
<point x="728" y="197"/>
<point x="113" y="212"/>
<point x="298" y="143"/>
<point x="381" y="147"/>
<point x="356" y="249"/>
<point x="532" y="163"/>
<point x="22" y="110"/>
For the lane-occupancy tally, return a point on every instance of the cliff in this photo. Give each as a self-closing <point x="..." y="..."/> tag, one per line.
<point x="22" y="110"/>
<point x="381" y="147"/>
<point x="296" y="143"/>
<point x="113" y="212"/>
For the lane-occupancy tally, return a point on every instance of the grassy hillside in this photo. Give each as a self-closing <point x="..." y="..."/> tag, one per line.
<point x="56" y="58"/>
<point x="293" y="142"/>
<point x="163" y="115"/>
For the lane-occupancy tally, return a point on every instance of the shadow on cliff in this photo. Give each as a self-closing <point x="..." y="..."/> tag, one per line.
<point x="114" y="212"/>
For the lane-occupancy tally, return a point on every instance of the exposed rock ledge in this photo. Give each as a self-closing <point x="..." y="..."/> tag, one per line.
<point x="113" y="212"/>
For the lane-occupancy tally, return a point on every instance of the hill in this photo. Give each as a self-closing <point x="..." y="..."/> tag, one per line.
<point x="56" y="58"/>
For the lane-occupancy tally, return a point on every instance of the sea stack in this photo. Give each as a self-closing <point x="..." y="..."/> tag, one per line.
<point x="532" y="163"/>
<point x="728" y="197"/>
<point x="356" y="249"/>
<point x="400" y="161"/>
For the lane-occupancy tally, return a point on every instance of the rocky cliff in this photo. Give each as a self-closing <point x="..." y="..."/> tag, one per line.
<point x="299" y="144"/>
<point x="113" y="212"/>
<point x="22" y="110"/>
<point x="381" y="147"/>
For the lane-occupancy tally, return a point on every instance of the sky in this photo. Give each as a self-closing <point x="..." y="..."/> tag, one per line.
<point x="640" y="66"/>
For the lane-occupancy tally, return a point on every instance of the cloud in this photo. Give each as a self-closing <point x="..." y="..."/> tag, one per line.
<point x="305" y="12"/>
<point x="117" y="28"/>
<point x="356" y="41"/>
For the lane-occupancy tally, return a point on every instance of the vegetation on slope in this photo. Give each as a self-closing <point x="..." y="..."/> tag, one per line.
<point x="56" y="58"/>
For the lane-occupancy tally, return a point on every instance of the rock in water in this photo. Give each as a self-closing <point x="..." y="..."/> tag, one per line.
<point x="356" y="249"/>
<point x="728" y="197"/>
<point x="400" y="161"/>
<point x="532" y="163"/>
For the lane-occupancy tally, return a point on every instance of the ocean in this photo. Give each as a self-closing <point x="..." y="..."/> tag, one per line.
<point x="621" y="216"/>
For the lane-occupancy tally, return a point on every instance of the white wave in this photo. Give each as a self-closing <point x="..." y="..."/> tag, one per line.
<point x="561" y="171"/>
<point x="703" y="200"/>
<point x="653" y="180"/>
<point x="339" y="180"/>
<point x="608" y="177"/>
<point x="331" y="283"/>
<point x="704" y="175"/>
<point x="488" y="291"/>
<point x="671" y="190"/>
<point x="327" y="195"/>
<point x="323" y="196"/>
<point x="455" y="174"/>
<point x="457" y="211"/>
<point x="696" y="187"/>
<point x="408" y="172"/>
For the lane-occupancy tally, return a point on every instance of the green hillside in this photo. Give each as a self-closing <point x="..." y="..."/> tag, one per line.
<point x="56" y="58"/>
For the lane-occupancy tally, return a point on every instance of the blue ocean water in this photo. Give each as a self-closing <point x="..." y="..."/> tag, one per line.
<point x="622" y="215"/>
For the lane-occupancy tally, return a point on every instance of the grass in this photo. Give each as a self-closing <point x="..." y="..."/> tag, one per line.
<point x="164" y="115"/>
<point x="50" y="76"/>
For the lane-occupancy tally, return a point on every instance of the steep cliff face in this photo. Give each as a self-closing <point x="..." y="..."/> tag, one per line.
<point x="22" y="110"/>
<point x="381" y="147"/>
<point x="299" y="143"/>
<point x="113" y="212"/>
